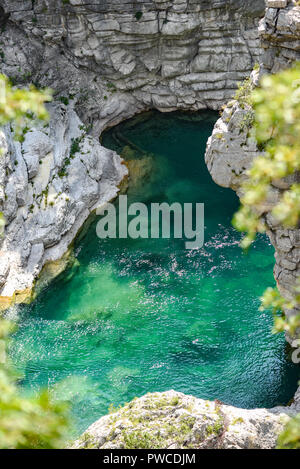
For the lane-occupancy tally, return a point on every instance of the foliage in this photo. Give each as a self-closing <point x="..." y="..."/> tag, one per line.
<point x="138" y="15"/>
<point x="64" y="100"/>
<point x="276" y="105"/>
<point x="18" y="107"/>
<point x="248" y="120"/>
<point x="141" y="440"/>
<point x="75" y="146"/>
<point x="24" y="422"/>
<point x="2" y="224"/>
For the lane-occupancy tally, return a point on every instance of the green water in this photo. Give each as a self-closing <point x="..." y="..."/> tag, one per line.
<point x="148" y="315"/>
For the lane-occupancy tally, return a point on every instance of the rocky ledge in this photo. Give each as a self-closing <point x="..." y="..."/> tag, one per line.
<point x="174" y="420"/>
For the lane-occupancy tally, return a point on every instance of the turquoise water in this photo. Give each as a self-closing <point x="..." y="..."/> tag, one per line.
<point x="135" y="316"/>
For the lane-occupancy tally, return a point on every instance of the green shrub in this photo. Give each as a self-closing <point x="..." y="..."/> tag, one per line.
<point x="138" y="15"/>
<point x="276" y="105"/>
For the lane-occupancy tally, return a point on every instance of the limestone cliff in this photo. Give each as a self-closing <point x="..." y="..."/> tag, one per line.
<point x="105" y="61"/>
<point x="52" y="181"/>
<point x="231" y="148"/>
<point x="186" y="54"/>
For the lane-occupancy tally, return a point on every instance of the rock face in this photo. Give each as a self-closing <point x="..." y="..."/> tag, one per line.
<point x="231" y="148"/>
<point x="174" y="420"/>
<point x="51" y="181"/>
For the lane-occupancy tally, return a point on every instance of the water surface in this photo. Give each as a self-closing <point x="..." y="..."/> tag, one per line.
<point x="137" y="316"/>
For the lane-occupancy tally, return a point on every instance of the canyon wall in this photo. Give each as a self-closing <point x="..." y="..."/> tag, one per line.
<point x="105" y="61"/>
<point x="186" y="54"/>
<point x="231" y="148"/>
<point x="52" y="181"/>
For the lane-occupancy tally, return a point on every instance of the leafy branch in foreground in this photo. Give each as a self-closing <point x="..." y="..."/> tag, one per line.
<point x="37" y="422"/>
<point x="290" y="437"/>
<point x="276" y="105"/>
<point x="26" y="423"/>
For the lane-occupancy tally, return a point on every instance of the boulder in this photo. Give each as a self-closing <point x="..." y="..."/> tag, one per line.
<point x="173" y="420"/>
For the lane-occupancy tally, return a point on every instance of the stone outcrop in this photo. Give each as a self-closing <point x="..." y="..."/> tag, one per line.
<point x="52" y="181"/>
<point x="230" y="152"/>
<point x="231" y="148"/>
<point x="174" y="420"/>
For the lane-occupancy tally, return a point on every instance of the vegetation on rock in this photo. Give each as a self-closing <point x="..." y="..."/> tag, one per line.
<point x="276" y="105"/>
<point x="175" y="420"/>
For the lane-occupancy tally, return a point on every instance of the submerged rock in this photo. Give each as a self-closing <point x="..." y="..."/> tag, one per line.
<point x="174" y="420"/>
<point x="141" y="174"/>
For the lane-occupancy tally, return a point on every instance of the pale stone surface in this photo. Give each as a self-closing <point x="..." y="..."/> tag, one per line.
<point x="280" y="37"/>
<point x="230" y="149"/>
<point x="174" y="420"/>
<point x="136" y="46"/>
<point x="110" y="60"/>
